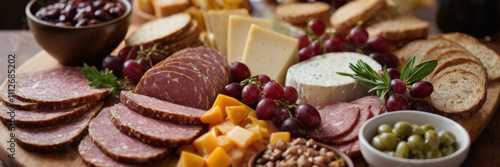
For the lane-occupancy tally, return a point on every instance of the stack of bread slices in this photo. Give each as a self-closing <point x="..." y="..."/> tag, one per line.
<point x="464" y="68"/>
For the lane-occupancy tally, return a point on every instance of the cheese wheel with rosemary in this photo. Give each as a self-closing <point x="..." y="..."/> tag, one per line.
<point x="317" y="81"/>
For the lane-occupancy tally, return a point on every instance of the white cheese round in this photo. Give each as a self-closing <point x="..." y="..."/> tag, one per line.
<point x="317" y="81"/>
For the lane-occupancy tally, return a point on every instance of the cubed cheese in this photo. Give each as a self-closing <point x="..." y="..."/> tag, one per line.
<point x="213" y="116"/>
<point x="317" y="81"/>
<point x="241" y="137"/>
<point x="217" y="21"/>
<point x="223" y="101"/>
<point x="205" y="144"/>
<point x="268" y="52"/>
<point x="165" y="8"/>
<point x="236" y="114"/>
<point x="238" y="32"/>
<point x="277" y="136"/>
<point x="218" y="158"/>
<point x="225" y="126"/>
<point x="224" y="142"/>
<point x="188" y="159"/>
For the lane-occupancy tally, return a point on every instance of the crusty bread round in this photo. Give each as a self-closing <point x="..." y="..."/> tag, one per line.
<point x="398" y="27"/>
<point x="297" y="13"/>
<point x="431" y="53"/>
<point x="451" y="54"/>
<point x="352" y="12"/>
<point x="160" y="29"/>
<point x="419" y="49"/>
<point x="458" y="94"/>
<point x="460" y="63"/>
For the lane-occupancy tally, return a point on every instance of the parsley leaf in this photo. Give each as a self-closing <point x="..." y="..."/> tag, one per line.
<point x="102" y="79"/>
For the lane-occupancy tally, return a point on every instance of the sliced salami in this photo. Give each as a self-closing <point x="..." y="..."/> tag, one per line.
<point x="12" y="101"/>
<point x="119" y="146"/>
<point x="174" y="87"/>
<point x="93" y="156"/>
<point x="55" y="137"/>
<point x="351" y="149"/>
<point x="39" y="117"/>
<point x="374" y="101"/>
<point x="209" y="51"/>
<point x="60" y="87"/>
<point x="211" y="62"/>
<point x="152" y="131"/>
<point x="160" y="109"/>
<point x="336" y="119"/>
<point x="351" y="135"/>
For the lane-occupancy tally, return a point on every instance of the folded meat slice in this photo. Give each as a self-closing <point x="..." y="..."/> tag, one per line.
<point x="336" y="119"/>
<point x="376" y="104"/>
<point x="364" y="115"/>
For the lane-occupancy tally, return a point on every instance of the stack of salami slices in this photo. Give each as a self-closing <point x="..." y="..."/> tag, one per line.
<point x="50" y="109"/>
<point x="191" y="77"/>
<point x="342" y="121"/>
<point x="139" y="130"/>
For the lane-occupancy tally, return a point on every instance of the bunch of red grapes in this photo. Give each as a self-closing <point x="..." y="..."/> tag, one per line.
<point x="272" y="101"/>
<point x="316" y="42"/>
<point x="408" y="96"/>
<point x="134" y="61"/>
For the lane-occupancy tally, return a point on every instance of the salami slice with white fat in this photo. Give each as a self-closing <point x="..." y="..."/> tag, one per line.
<point x="152" y="131"/>
<point x="119" y="146"/>
<point x="351" y="149"/>
<point x="374" y="101"/>
<point x="211" y="62"/>
<point x="93" y="156"/>
<point x="336" y="119"/>
<point x="364" y="115"/>
<point x="160" y="109"/>
<point x="55" y="137"/>
<point x="208" y="51"/>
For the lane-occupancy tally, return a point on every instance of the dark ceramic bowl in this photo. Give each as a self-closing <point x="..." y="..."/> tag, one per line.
<point x="74" y="46"/>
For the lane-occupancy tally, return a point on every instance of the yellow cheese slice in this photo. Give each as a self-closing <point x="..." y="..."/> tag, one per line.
<point x="270" y="53"/>
<point x="237" y="34"/>
<point x="217" y="21"/>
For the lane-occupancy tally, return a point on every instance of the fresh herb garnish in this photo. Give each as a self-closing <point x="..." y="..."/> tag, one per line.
<point x="102" y="79"/>
<point x="381" y="85"/>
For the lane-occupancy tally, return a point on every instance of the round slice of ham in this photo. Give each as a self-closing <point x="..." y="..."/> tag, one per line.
<point x="174" y="87"/>
<point x="60" y="87"/>
<point x="119" y="146"/>
<point x="161" y="110"/>
<point x="336" y="119"/>
<point x="55" y="137"/>
<point x="152" y="131"/>
<point x="364" y="115"/>
<point x="41" y="117"/>
<point x="374" y="101"/>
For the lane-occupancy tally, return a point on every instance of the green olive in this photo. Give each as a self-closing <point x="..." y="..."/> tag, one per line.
<point x="377" y="143"/>
<point x="447" y="138"/>
<point x="402" y="129"/>
<point x="431" y="140"/>
<point x="402" y="150"/>
<point x="434" y="154"/>
<point x="384" y="128"/>
<point x="418" y="155"/>
<point x="427" y="127"/>
<point x="447" y="149"/>
<point x="389" y="141"/>
<point x="390" y="153"/>
<point x="416" y="143"/>
<point x="417" y="130"/>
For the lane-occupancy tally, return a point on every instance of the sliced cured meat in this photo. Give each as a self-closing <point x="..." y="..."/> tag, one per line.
<point x="209" y="51"/>
<point x="60" y="87"/>
<point x="12" y="101"/>
<point x="336" y="119"/>
<point x="161" y="110"/>
<point x="174" y="87"/>
<point x="119" y="146"/>
<point x="93" y="156"/>
<point x="374" y="101"/>
<point x="211" y="62"/>
<point x="55" y="137"/>
<point x="40" y="117"/>
<point x="351" y="135"/>
<point x="351" y="149"/>
<point x="152" y="131"/>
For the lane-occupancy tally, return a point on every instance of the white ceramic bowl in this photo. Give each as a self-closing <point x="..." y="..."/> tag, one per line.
<point x="375" y="157"/>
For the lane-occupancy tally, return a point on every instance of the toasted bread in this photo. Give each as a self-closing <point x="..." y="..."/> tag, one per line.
<point x="352" y="12"/>
<point x="460" y="63"/>
<point x="431" y="53"/>
<point x="398" y="27"/>
<point x="297" y="13"/>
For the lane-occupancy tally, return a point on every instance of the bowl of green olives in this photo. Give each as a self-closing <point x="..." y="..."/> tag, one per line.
<point x="413" y="138"/>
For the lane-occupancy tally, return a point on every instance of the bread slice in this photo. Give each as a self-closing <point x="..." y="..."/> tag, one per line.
<point x="460" y="63"/>
<point x="458" y="94"/>
<point x="451" y="54"/>
<point x="397" y="27"/>
<point x="352" y="12"/>
<point x="160" y="29"/>
<point x="424" y="46"/>
<point x="165" y="8"/>
<point x="438" y="49"/>
<point x="297" y="13"/>
<point x="489" y="58"/>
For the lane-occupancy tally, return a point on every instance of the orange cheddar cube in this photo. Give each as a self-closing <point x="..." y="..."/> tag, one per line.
<point x="218" y="158"/>
<point x="276" y="136"/>
<point x="225" y="126"/>
<point x="223" y="101"/>
<point x="224" y="142"/>
<point x="205" y="144"/>
<point x="236" y="114"/>
<point x="252" y="113"/>
<point x="188" y="159"/>
<point x="241" y="137"/>
<point x="213" y="116"/>
<point x="256" y="129"/>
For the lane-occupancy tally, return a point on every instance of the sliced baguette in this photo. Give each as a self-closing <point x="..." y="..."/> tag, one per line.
<point x="297" y="13"/>
<point x="352" y="12"/>
<point x="424" y="46"/>
<point x="160" y="29"/>
<point x="438" y="49"/>
<point x="164" y="8"/>
<point x="397" y="27"/>
<point x="460" y="63"/>
<point x="457" y="94"/>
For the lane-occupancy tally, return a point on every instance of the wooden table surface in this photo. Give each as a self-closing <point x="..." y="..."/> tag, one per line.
<point x="485" y="151"/>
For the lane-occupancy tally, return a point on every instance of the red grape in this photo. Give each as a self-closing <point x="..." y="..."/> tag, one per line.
<point x="273" y="90"/>
<point x="144" y="64"/>
<point x="379" y="57"/>
<point x="305" y="53"/>
<point x="398" y="86"/>
<point x="234" y="90"/>
<point x="303" y="41"/>
<point x="358" y="36"/>
<point x="317" y="26"/>
<point x="265" y="108"/>
<point x="422" y="105"/>
<point x="397" y="102"/>
<point x="239" y="71"/>
<point x="132" y="70"/>
<point x="263" y="79"/>
<point x="128" y="52"/>
<point x="316" y="47"/>
<point x="113" y="63"/>
<point x="378" y="44"/>
<point x="294" y="126"/>
<point x="157" y="57"/>
<point x="333" y="44"/>
<point x="394" y="73"/>
<point x="308" y="115"/>
<point x="289" y="94"/>
<point x="392" y="60"/>
<point x="421" y="89"/>
<point x="250" y="93"/>
<point x="280" y="116"/>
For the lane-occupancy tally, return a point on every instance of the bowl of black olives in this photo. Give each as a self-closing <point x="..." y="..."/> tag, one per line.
<point x="78" y="31"/>
<point x="413" y="138"/>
